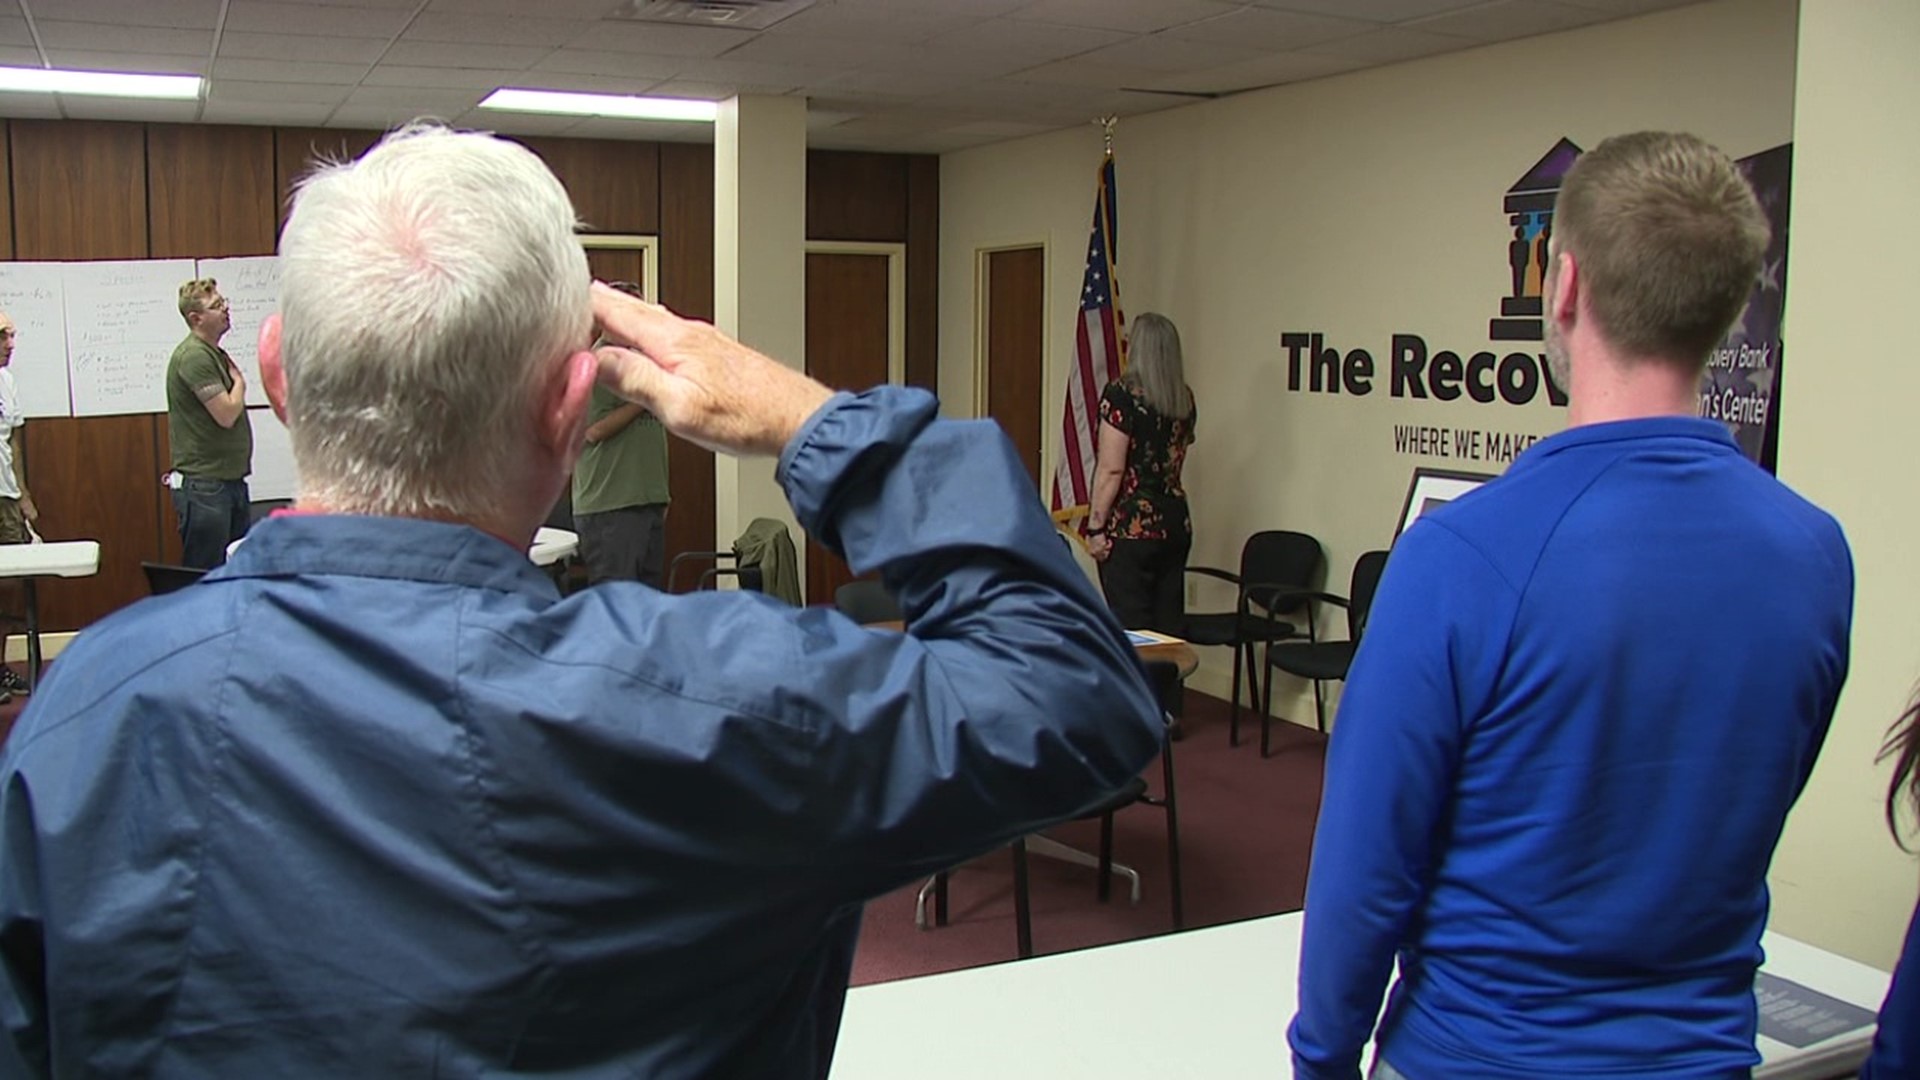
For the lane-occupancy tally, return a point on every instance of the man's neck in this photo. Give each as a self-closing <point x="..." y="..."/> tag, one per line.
<point x="1609" y="387"/>
<point x="210" y="339"/>
<point x="518" y="537"/>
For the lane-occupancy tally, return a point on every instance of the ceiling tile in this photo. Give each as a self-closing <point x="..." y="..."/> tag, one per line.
<point x="882" y="26"/>
<point x="1261" y="28"/>
<point x="310" y="47"/>
<point x="288" y="113"/>
<point x="287" y="71"/>
<point x="414" y="98"/>
<point x="1133" y="16"/>
<point x="29" y="106"/>
<point x="705" y="90"/>
<point x="147" y="63"/>
<point x="830" y="52"/>
<point x="107" y="37"/>
<point x="510" y="123"/>
<point x="978" y="8"/>
<point x="1032" y="43"/>
<point x="442" y="78"/>
<point x="375" y="118"/>
<point x="240" y="90"/>
<point x="1385" y="11"/>
<point x="589" y="84"/>
<point x="1158" y="53"/>
<point x="337" y="20"/>
<point x="657" y="40"/>
<point x="1252" y="74"/>
<point x="592" y="62"/>
<point x="180" y="14"/>
<point x="559" y="9"/>
<point x="1080" y="71"/>
<point x="19" y="56"/>
<point x="603" y="127"/>
<point x="1629" y="7"/>
<point x="496" y="29"/>
<point x="444" y="54"/>
<point x="898" y="83"/>
<point x="1509" y="19"/>
<point x="132" y="109"/>
<point x="13" y="31"/>
<point x="1391" y="45"/>
<point x="748" y="73"/>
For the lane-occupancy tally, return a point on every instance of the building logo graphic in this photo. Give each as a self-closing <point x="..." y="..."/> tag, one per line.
<point x="1529" y="207"/>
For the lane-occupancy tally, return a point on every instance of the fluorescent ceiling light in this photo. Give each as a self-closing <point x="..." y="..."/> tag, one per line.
<point x="625" y="106"/>
<point x="101" y="83"/>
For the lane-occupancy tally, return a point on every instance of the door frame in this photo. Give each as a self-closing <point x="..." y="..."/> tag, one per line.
<point x="896" y="255"/>
<point x="647" y="246"/>
<point x="981" y="375"/>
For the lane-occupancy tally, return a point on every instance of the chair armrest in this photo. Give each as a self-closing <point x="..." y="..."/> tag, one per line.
<point x="673" y="568"/>
<point x="1271" y="596"/>
<point x="1208" y="571"/>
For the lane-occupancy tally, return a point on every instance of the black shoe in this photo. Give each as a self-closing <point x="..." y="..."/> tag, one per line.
<point x="12" y="683"/>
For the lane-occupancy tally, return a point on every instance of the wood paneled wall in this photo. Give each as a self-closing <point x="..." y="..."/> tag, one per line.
<point x="95" y="190"/>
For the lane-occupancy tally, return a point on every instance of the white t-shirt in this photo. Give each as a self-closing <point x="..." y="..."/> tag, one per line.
<point x="10" y="418"/>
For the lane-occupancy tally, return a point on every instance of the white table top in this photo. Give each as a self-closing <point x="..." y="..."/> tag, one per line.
<point x="63" y="558"/>
<point x="1211" y="1003"/>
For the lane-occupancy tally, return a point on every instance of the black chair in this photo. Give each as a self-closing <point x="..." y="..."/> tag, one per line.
<point x="163" y="578"/>
<point x="749" y="577"/>
<point x="1166" y="683"/>
<point x="866" y="601"/>
<point x="1278" y="571"/>
<point x="1321" y="661"/>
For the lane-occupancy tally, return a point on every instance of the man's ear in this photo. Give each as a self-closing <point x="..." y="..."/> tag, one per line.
<point x="562" y="419"/>
<point x="1562" y="290"/>
<point x="273" y="373"/>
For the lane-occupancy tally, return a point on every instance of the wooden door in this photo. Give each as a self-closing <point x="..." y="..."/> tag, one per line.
<point x="1015" y="340"/>
<point x="847" y="337"/>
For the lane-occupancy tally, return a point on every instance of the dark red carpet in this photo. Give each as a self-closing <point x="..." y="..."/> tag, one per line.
<point x="1246" y="829"/>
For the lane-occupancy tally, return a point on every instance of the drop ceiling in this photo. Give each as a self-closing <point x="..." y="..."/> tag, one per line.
<point x="916" y="76"/>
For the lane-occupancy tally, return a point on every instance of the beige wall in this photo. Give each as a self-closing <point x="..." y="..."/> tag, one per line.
<point x="1850" y="381"/>
<point x="1368" y="204"/>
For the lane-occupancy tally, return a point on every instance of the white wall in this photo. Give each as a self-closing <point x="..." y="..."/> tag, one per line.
<point x="1368" y="204"/>
<point x="1850" y="381"/>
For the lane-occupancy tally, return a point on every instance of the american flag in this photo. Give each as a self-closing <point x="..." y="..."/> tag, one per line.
<point x="1099" y="345"/>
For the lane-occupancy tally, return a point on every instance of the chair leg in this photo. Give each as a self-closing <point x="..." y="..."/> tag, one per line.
<point x="1104" y="888"/>
<point x="940" y="898"/>
<point x="1266" y="708"/>
<point x="1172" y="808"/>
<point x="1319" y="707"/>
<point x="1233" y="709"/>
<point x="1022" y="913"/>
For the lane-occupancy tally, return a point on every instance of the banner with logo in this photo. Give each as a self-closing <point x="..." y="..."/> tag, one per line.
<point x="1742" y="387"/>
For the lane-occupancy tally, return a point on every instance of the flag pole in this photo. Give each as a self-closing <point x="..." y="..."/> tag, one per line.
<point x="1099" y="354"/>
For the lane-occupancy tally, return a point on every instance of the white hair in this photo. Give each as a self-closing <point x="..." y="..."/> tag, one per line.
<point x="424" y="289"/>
<point x="1154" y="365"/>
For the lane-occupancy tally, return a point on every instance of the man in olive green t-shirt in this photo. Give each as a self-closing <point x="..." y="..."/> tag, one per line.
<point x="620" y="492"/>
<point x="207" y="426"/>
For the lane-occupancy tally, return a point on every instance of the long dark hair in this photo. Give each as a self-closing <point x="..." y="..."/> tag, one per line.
<point x="1903" y="746"/>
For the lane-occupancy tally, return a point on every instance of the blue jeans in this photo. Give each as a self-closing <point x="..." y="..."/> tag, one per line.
<point x="213" y="514"/>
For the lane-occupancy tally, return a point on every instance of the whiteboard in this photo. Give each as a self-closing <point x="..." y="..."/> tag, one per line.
<point x="33" y="293"/>
<point x="123" y="321"/>
<point x="273" y="476"/>
<point x="251" y="284"/>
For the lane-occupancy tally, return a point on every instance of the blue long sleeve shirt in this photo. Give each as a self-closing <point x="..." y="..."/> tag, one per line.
<point x="373" y="800"/>
<point x="1896" y="1042"/>
<point x="1587" y="696"/>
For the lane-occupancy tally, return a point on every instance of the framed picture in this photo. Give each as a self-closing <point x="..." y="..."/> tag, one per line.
<point x="1435" y="487"/>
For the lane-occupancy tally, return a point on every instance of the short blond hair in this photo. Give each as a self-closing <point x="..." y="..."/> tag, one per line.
<point x="196" y="294"/>
<point x="1668" y="238"/>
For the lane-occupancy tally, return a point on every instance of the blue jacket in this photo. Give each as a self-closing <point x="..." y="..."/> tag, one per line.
<point x="1587" y="695"/>
<point x="1896" y="1043"/>
<point x="373" y="800"/>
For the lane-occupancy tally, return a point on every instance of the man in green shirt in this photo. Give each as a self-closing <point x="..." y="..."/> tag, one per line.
<point x="208" y="430"/>
<point x="620" y="492"/>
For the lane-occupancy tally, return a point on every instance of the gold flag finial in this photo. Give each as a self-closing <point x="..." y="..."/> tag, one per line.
<point x="1106" y="131"/>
